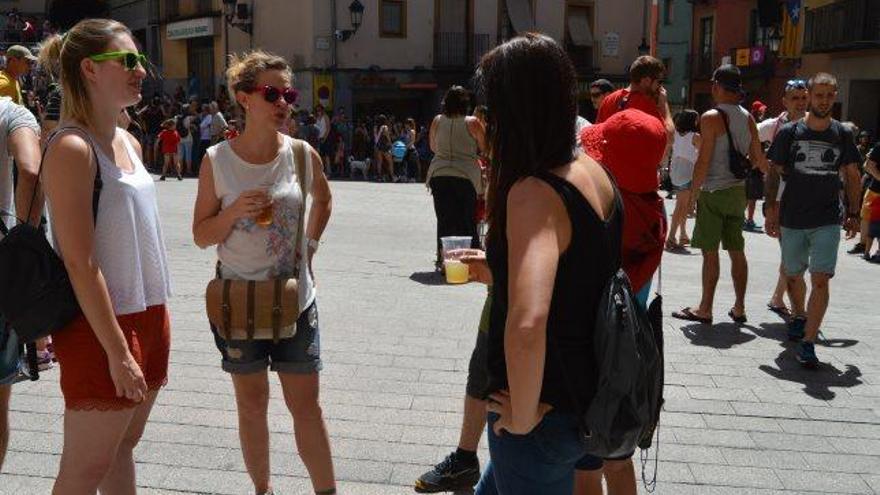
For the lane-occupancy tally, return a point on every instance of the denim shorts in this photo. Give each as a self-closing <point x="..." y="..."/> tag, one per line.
<point x="185" y="149"/>
<point x="300" y="354"/>
<point x="10" y="355"/>
<point x="815" y="249"/>
<point x="543" y="461"/>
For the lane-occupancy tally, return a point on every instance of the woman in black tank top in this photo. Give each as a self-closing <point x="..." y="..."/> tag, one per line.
<point x="551" y="250"/>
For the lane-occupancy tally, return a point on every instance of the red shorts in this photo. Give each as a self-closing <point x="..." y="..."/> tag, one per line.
<point x="85" y="371"/>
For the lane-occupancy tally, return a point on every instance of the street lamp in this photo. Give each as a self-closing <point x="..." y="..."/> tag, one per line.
<point x="775" y="39"/>
<point x="231" y="10"/>
<point x="356" y="11"/>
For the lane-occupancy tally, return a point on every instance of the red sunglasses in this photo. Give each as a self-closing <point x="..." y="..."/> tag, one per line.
<point x="271" y="94"/>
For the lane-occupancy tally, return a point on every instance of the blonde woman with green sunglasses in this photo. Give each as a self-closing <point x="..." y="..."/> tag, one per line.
<point x="114" y="357"/>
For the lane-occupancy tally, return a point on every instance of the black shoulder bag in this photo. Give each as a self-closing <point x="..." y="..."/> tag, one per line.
<point x="739" y="164"/>
<point x="36" y="296"/>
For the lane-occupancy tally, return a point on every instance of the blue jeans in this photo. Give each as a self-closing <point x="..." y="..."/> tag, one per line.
<point x="543" y="461"/>
<point x="10" y="354"/>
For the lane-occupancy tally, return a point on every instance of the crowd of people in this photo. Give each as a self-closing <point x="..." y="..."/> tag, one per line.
<point x="568" y="204"/>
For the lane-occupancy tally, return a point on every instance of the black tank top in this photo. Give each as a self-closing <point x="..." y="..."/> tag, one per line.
<point x="592" y="257"/>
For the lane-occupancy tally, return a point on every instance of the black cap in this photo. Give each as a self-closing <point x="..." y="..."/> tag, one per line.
<point x="603" y="85"/>
<point x="728" y="77"/>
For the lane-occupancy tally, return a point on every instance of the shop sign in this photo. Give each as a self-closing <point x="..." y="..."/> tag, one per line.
<point x="611" y="46"/>
<point x="192" y="28"/>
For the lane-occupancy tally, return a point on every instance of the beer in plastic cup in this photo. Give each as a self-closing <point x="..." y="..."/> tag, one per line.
<point x="456" y="271"/>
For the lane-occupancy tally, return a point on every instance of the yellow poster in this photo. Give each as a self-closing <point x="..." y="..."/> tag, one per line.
<point x="323" y="90"/>
<point x="743" y="58"/>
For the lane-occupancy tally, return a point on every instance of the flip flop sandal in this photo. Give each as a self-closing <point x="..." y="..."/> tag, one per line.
<point x="688" y="315"/>
<point x="780" y="311"/>
<point x="672" y="246"/>
<point x="684" y="241"/>
<point x="741" y="319"/>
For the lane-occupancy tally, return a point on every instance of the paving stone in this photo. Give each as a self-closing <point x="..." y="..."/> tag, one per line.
<point x="744" y="423"/>
<point x="735" y="476"/>
<point x="719" y="438"/>
<point x="787" y="441"/>
<point x="824" y="481"/>
<point x="764" y="458"/>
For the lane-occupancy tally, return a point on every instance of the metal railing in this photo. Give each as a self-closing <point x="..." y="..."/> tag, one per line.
<point x="459" y="50"/>
<point x="843" y="25"/>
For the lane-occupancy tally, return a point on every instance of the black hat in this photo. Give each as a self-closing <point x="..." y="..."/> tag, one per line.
<point x="728" y="77"/>
<point x="603" y="85"/>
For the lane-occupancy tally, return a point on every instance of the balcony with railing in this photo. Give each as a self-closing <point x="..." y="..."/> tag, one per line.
<point x="843" y="25"/>
<point x="459" y="50"/>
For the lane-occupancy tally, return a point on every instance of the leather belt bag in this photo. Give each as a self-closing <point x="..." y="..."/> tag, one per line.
<point x="266" y="309"/>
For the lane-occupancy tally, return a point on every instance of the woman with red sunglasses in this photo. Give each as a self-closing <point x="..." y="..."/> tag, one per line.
<point x="239" y="181"/>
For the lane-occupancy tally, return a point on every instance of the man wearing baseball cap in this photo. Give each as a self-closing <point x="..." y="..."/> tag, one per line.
<point x="721" y="194"/>
<point x="18" y="62"/>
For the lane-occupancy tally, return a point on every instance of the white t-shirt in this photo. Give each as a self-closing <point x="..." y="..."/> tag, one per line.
<point x="12" y="118"/>
<point x="205" y="127"/>
<point x="767" y="131"/>
<point x="187" y="123"/>
<point x="251" y="251"/>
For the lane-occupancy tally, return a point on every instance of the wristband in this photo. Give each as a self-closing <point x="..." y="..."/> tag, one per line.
<point x="313" y="244"/>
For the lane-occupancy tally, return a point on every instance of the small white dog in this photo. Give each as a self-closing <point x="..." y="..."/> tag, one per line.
<point x="362" y="166"/>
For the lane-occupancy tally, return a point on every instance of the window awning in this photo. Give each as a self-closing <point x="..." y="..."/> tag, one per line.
<point x="579" y="28"/>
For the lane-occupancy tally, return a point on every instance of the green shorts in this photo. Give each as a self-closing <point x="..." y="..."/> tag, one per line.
<point x="720" y="216"/>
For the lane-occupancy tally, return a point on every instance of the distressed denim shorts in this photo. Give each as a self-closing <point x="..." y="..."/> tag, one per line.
<point x="300" y="354"/>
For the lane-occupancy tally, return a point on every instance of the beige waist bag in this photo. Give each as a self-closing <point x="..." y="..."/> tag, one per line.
<point x="261" y="310"/>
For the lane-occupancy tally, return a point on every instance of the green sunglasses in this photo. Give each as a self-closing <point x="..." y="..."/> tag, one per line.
<point x="130" y="60"/>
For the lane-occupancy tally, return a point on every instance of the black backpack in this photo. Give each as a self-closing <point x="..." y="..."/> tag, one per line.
<point x="182" y="130"/>
<point x="36" y="296"/>
<point x="739" y="164"/>
<point x="625" y="410"/>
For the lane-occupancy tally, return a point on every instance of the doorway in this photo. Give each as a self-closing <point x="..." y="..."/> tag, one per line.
<point x="200" y="61"/>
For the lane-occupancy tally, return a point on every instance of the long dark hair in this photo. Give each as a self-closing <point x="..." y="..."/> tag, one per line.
<point x="530" y="87"/>
<point x="687" y="121"/>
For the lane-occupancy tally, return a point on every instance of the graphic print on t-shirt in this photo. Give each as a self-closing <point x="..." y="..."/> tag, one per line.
<point x="815" y="157"/>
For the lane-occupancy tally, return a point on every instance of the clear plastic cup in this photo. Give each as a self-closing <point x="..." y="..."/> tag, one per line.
<point x="456" y="271"/>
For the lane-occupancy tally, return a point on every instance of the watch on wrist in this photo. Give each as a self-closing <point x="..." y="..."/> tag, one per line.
<point x="313" y="244"/>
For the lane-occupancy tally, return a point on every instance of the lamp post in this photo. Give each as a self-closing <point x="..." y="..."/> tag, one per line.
<point x="356" y="11"/>
<point x="775" y="39"/>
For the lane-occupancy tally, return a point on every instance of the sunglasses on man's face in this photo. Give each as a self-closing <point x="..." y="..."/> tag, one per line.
<point x="271" y="94"/>
<point x="130" y="60"/>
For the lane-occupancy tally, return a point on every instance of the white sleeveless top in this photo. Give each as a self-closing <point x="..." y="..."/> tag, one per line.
<point x="251" y="251"/>
<point x="129" y="245"/>
<point x="683" y="147"/>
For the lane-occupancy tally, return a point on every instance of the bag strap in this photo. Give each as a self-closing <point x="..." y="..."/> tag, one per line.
<point x="227" y="308"/>
<point x="276" y="310"/>
<point x="98" y="184"/>
<point x="299" y="158"/>
<point x="727" y="129"/>
<point x="251" y="286"/>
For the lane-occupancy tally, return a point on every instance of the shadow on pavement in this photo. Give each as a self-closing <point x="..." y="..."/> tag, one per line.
<point x="817" y="382"/>
<point x="717" y="336"/>
<point x="428" y="278"/>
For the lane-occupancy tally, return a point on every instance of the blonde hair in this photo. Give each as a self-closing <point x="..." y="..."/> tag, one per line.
<point x="244" y="68"/>
<point x="64" y="54"/>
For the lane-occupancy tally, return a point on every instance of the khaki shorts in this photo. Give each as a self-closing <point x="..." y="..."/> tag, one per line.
<point x="720" y="216"/>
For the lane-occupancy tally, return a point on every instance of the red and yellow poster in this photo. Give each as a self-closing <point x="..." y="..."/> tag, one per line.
<point x="323" y="90"/>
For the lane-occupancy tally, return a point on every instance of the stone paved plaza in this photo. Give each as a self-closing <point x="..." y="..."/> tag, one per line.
<point x="741" y="416"/>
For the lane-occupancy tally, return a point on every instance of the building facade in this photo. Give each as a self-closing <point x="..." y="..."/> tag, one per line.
<point x="843" y="38"/>
<point x="736" y="32"/>
<point x="403" y="55"/>
<point x="674" y="48"/>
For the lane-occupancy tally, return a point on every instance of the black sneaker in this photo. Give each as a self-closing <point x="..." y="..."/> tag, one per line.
<point x="450" y="475"/>
<point x="857" y="249"/>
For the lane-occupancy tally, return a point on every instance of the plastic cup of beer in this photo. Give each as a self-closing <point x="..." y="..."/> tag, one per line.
<point x="264" y="219"/>
<point x="456" y="271"/>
